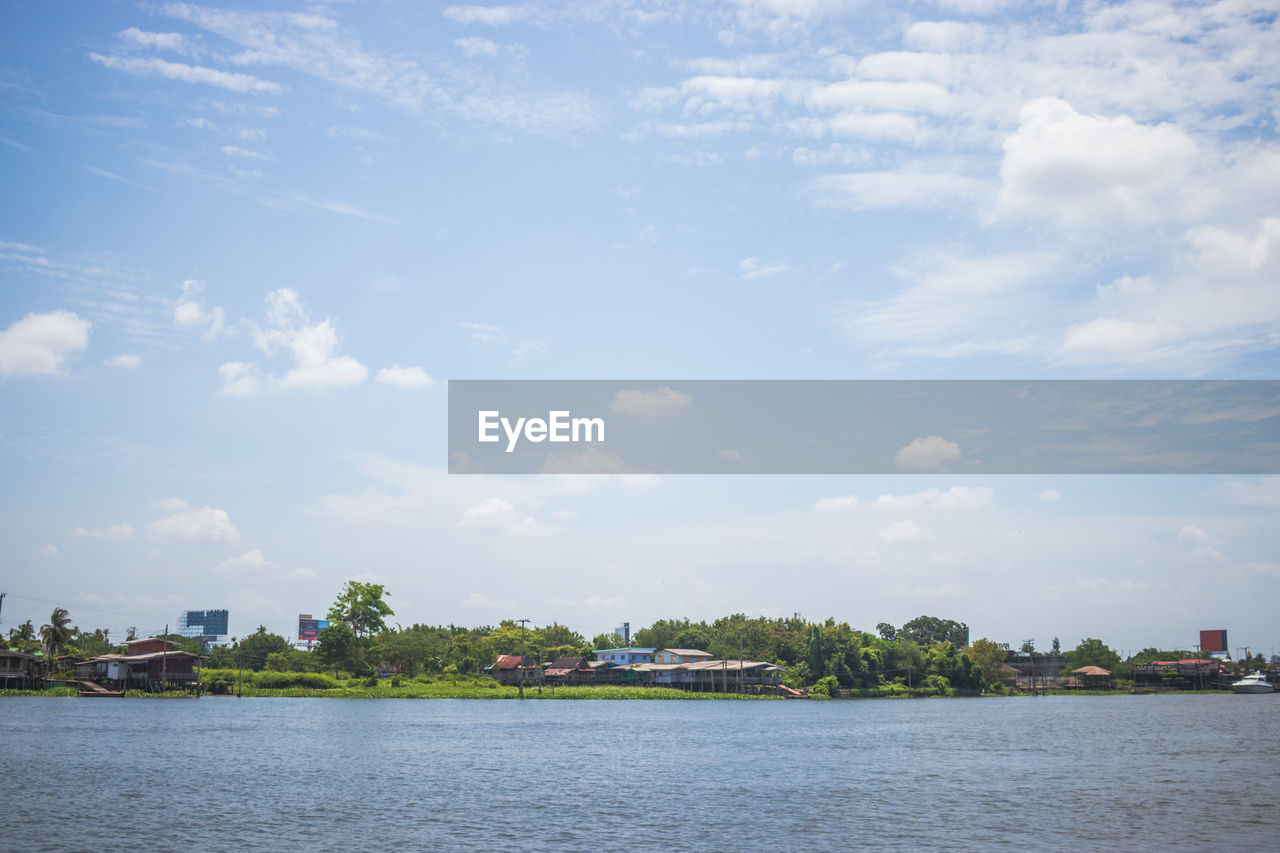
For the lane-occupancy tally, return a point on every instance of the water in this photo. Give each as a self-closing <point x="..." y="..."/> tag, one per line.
<point x="1051" y="773"/>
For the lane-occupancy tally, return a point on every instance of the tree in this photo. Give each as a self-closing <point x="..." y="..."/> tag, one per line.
<point x="1093" y="652"/>
<point x="693" y="638"/>
<point x="927" y="630"/>
<point x="607" y="641"/>
<point x="260" y="645"/>
<point x="886" y="631"/>
<point x="57" y="632"/>
<point x="989" y="657"/>
<point x="1057" y="647"/>
<point x="361" y="608"/>
<point x="335" y="646"/>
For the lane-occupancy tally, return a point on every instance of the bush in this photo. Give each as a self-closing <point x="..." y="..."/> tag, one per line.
<point x="824" y="687"/>
<point x="395" y="680"/>
<point x="276" y="680"/>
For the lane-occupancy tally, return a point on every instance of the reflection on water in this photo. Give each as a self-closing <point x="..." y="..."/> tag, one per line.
<point x="1069" y="773"/>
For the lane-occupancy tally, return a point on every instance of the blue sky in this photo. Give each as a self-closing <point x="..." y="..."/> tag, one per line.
<point x="243" y="251"/>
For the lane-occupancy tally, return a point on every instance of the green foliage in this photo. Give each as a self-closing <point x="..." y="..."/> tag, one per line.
<point x="929" y="630"/>
<point x="57" y="632"/>
<point x="335" y="646"/>
<point x="361" y="608"/>
<point x="1092" y="652"/>
<point x="824" y="687"/>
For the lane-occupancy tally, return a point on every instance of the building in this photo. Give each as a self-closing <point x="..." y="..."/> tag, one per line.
<point x="151" y="663"/>
<point x="680" y="656"/>
<point x="624" y="657"/>
<point x="17" y="668"/>
<point x="570" y="670"/>
<point x="515" y="669"/>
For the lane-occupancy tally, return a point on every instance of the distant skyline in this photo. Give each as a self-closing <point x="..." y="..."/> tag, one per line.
<point x="243" y="251"/>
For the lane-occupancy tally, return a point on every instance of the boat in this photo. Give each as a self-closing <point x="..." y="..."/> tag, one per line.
<point x="1254" y="682"/>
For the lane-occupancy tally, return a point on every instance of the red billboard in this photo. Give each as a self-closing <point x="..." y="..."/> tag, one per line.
<point x="1213" y="641"/>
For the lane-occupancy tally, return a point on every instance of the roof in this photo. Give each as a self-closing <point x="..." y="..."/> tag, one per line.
<point x="628" y="649"/>
<point x="574" y="662"/>
<point x="687" y="652"/>
<point x="512" y="662"/>
<point x="146" y="656"/>
<point x="151" y="640"/>
<point x="1090" y="670"/>
<point x="10" y="653"/>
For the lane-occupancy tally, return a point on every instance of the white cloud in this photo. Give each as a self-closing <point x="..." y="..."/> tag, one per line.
<point x="1270" y="570"/>
<point x="841" y="503"/>
<point x="188" y="74"/>
<point x="926" y="453"/>
<point x="900" y="532"/>
<point x="1049" y="495"/>
<point x="491" y="15"/>
<point x="1089" y="170"/>
<point x="49" y="551"/>
<point x="184" y="522"/>
<point x="252" y="559"/>
<point x="1108" y="338"/>
<point x="189" y="311"/>
<point x="500" y="515"/>
<point x="312" y="346"/>
<point x="302" y="574"/>
<point x="752" y="268"/>
<point x="956" y="497"/>
<point x="243" y="153"/>
<point x="124" y="360"/>
<point x="483" y="333"/>
<point x="649" y="402"/>
<point x="159" y="41"/>
<point x="474" y="46"/>
<point x="405" y="377"/>
<point x="38" y="344"/>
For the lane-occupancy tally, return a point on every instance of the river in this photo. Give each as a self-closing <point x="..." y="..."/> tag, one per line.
<point x="1190" y="772"/>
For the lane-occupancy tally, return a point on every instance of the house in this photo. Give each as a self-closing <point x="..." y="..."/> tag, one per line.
<point x="16" y="667"/>
<point x="515" y="669"/>
<point x="680" y="656"/>
<point x="570" y="670"/>
<point x="714" y="676"/>
<point x="624" y="657"/>
<point x="150" y="644"/>
<point x="145" y="670"/>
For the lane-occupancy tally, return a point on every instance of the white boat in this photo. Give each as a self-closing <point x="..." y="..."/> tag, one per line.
<point x="1254" y="682"/>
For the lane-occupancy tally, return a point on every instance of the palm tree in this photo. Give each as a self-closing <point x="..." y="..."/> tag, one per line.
<point x="56" y="634"/>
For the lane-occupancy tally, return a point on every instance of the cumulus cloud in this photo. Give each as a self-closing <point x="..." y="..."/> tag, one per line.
<point x="502" y="516"/>
<point x="189" y="312"/>
<point x="183" y="522"/>
<point x="313" y="347"/>
<point x="956" y="497"/>
<point x="1091" y="170"/>
<point x="750" y="268"/>
<point x="38" y="344"/>
<point x="251" y="559"/>
<point x="49" y="551"/>
<point x="927" y="453"/>
<point x="405" y="377"/>
<point x="1049" y="495"/>
<point x="901" y="532"/>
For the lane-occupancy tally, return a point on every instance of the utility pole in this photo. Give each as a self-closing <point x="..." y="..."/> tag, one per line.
<point x="520" y="666"/>
<point x="164" y="659"/>
<point x="739" y="661"/>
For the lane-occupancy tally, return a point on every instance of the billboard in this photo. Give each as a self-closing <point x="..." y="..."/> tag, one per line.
<point x="309" y="629"/>
<point x="1213" y="641"/>
<point x="203" y="623"/>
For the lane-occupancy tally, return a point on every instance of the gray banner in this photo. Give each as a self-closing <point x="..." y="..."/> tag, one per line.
<point x="864" y="427"/>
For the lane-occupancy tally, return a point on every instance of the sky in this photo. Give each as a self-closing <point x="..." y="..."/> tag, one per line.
<point x="242" y="252"/>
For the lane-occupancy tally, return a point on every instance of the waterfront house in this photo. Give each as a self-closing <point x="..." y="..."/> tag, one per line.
<point x="146" y="670"/>
<point x="515" y="669"/>
<point x="570" y="670"/>
<point x="16" y="668"/>
<point x="680" y="656"/>
<point x="624" y="657"/>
